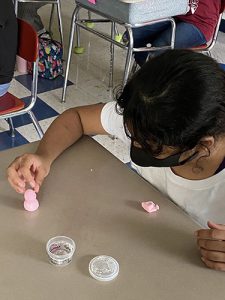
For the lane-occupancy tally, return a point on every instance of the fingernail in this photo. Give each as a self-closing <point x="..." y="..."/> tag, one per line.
<point x="203" y="259"/>
<point x="32" y="185"/>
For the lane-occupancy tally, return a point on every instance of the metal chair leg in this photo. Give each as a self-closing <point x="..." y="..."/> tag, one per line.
<point x="208" y="53"/>
<point x="135" y="67"/>
<point x="72" y="29"/>
<point x="129" y="55"/>
<point x="36" y="124"/>
<point x="60" y="21"/>
<point x="112" y="50"/>
<point x="116" y="30"/>
<point x="16" y="7"/>
<point x="11" y="127"/>
<point x="173" y="35"/>
<point x="77" y="36"/>
<point x="51" y="19"/>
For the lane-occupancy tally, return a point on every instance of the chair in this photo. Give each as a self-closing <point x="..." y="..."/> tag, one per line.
<point x="206" y="48"/>
<point x="54" y="3"/>
<point x="10" y="105"/>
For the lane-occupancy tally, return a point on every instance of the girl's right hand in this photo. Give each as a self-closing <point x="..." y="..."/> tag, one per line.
<point x="28" y="169"/>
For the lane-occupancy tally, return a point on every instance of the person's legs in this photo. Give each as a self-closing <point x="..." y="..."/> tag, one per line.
<point x="8" y="46"/>
<point x="28" y="12"/>
<point x="4" y="88"/>
<point x="145" y="35"/>
<point x="187" y="36"/>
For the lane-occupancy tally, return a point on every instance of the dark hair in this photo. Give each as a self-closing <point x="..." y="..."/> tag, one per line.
<point x="175" y="99"/>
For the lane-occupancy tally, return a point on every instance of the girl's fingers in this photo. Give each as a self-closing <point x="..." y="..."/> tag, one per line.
<point x="212" y="234"/>
<point x="214" y="265"/>
<point x="212" y="245"/>
<point x="215" y="256"/>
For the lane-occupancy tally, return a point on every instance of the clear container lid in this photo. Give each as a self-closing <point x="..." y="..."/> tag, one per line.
<point x="103" y="268"/>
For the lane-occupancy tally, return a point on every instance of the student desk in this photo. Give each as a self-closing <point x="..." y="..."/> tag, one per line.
<point x="93" y="198"/>
<point x="127" y="13"/>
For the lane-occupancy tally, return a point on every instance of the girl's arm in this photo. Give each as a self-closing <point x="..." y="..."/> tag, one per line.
<point x="31" y="169"/>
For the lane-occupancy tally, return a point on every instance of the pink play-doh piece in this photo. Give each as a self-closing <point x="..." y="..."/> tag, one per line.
<point x="150" y="206"/>
<point x="92" y="1"/>
<point x="30" y="201"/>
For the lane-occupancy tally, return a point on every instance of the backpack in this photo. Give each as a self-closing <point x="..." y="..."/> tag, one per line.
<point x="50" y="58"/>
<point x="50" y="63"/>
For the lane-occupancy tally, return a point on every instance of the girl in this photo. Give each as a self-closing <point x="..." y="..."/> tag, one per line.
<point x="172" y="115"/>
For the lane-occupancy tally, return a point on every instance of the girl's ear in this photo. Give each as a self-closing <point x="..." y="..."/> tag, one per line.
<point x="208" y="142"/>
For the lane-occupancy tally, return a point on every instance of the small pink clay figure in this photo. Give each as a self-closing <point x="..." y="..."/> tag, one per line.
<point x="150" y="206"/>
<point x="30" y="201"/>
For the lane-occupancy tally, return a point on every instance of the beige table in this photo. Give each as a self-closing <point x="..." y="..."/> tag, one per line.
<point x="93" y="198"/>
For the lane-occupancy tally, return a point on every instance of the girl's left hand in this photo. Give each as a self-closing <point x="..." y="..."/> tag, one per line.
<point x="211" y="244"/>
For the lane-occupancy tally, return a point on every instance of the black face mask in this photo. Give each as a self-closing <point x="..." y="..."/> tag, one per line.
<point x="144" y="158"/>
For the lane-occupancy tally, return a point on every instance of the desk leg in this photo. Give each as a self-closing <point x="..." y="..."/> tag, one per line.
<point x="72" y="29"/>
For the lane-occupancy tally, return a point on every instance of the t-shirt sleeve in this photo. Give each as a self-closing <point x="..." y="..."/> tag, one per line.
<point x="112" y="122"/>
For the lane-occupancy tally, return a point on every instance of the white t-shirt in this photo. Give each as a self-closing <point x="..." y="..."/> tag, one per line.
<point x="203" y="199"/>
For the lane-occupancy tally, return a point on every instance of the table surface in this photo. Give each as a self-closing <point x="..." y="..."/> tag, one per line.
<point x="93" y="198"/>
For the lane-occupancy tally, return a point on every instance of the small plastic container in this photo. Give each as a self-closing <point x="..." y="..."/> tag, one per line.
<point x="103" y="268"/>
<point x="60" y="250"/>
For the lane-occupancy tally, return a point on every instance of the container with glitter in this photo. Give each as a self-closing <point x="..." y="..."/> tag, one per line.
<point x="60" y="250"/>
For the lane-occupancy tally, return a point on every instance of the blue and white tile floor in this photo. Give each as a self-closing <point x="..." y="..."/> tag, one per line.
<point x="88" y="84"/>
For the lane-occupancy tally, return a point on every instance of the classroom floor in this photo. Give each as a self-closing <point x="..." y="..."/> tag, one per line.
<point x="88" y="84"/>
